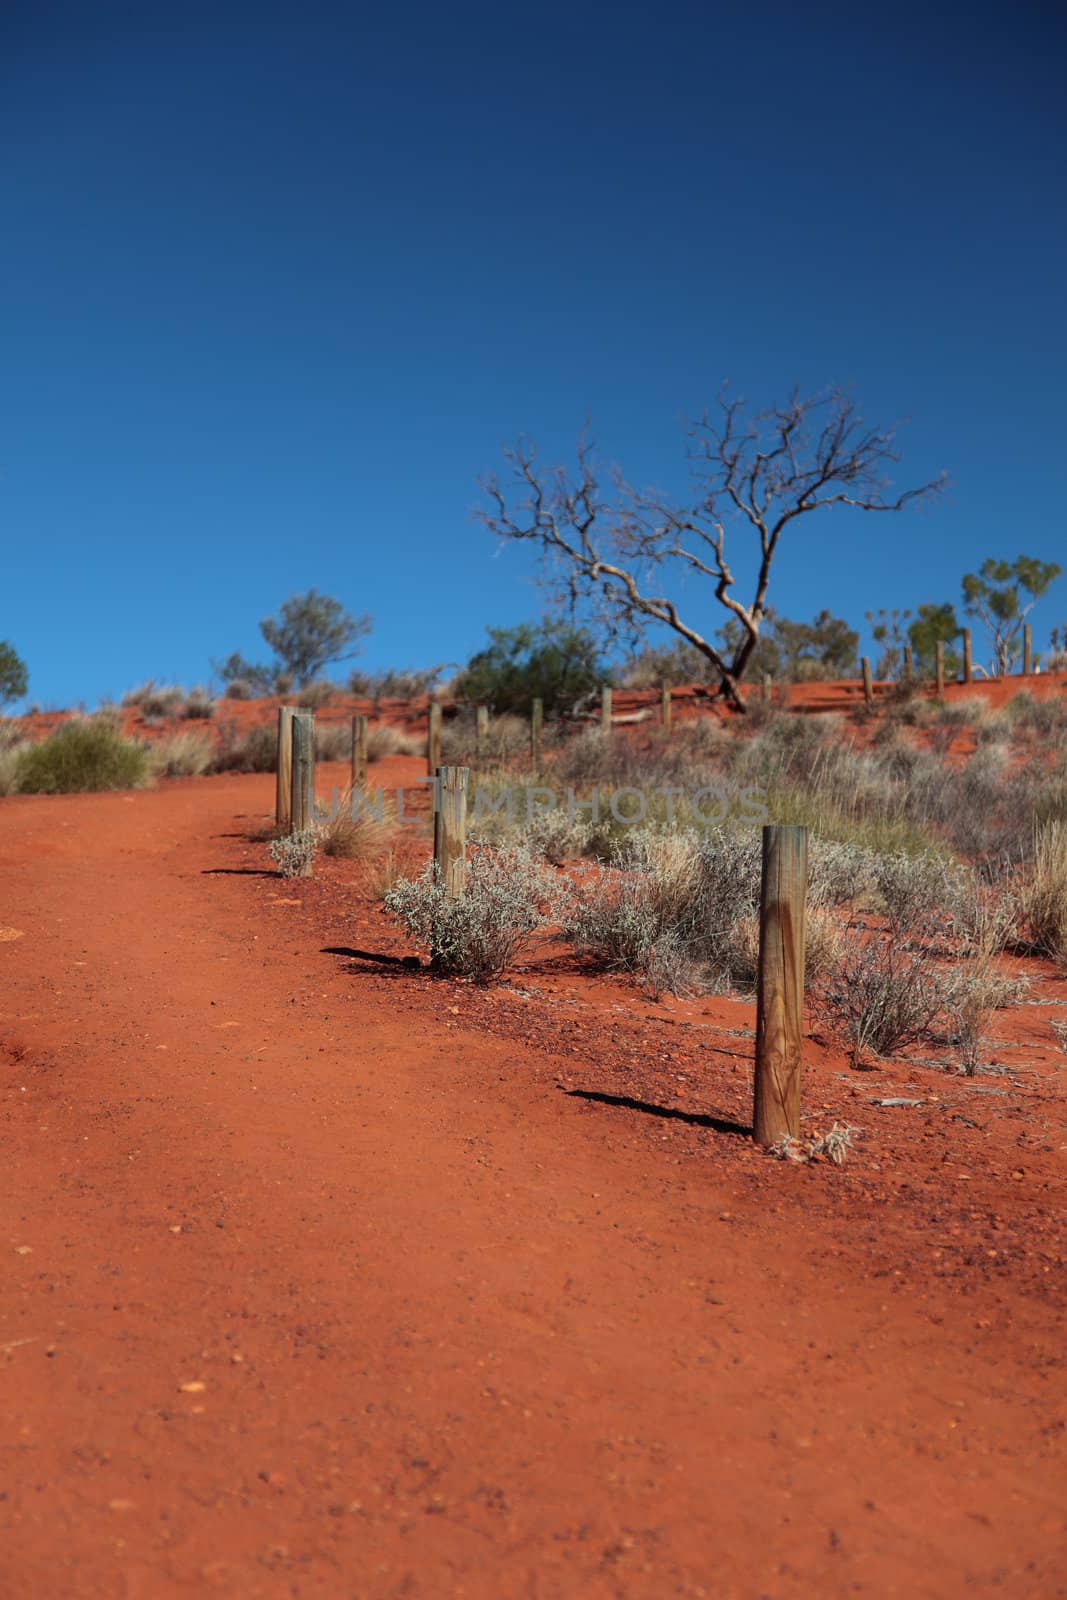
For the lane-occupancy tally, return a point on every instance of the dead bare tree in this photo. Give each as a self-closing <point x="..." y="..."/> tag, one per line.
<point x="618" y="548"/>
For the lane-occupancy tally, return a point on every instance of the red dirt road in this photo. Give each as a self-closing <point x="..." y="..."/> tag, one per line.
<point x="311" y="1289"/>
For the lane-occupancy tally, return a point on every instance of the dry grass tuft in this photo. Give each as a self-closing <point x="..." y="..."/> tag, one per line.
<point x="358" y="831"/>
<point x="199" y="705"/>
<point x="182" y="755"/>
<point x="333" y="741"/>
<point x="1042" y="898"/>
<point x="156" y="700"/>
<point x="386" y="740"/>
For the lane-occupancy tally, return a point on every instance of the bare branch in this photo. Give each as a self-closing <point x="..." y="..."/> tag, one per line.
<point x="616" y="547"/>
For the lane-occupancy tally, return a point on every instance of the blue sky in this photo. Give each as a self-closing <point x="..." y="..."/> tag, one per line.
<point x="279" y="281"/>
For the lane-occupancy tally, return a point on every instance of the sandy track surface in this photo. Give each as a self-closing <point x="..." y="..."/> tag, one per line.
<point x="308" y="1292"/>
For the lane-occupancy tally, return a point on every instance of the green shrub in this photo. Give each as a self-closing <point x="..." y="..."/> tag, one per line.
<point x="508" y="898"/>
<point x="81" y="757"/>
<point x="552" y="661"/>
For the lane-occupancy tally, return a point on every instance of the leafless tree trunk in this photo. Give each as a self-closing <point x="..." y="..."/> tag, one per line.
<point x="619" y="548"/>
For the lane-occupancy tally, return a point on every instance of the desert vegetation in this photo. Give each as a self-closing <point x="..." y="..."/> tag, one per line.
<point x="14" y="679"/>
<point x="927" y="862"/>
<point x="82" y="756"/>
<point x="938" y="850"/>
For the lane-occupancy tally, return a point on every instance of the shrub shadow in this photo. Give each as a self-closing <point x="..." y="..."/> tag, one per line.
<point x="238" y="872"/>
<point x="378" y="957"/>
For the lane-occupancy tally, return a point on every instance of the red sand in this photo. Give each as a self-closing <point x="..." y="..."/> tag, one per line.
<point x="326" y="1279"/>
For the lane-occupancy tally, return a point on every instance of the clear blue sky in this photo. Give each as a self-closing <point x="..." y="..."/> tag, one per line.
<point x="278" y="282"/>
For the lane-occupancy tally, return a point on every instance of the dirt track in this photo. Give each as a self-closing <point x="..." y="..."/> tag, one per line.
<point x="312" y="1290"/>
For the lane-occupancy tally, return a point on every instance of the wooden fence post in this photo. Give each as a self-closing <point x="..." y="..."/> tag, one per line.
<point x="780" y="984"/>
<point x="359" y="751"/>
<point x="481" y="729"/>
<point x="450" y="829"/>
<point x="282" y="798"/>
<point x="939" y="668"/>
<point x="1028" y="650"/>
<point x="433" y="738"/>
<point x="967" y="674"/>
<point x="537" y="719"/>
<point x="665" y="707"/>
<point x="302" y="789"/>
<point x="909" y="665"/>
<point x="868" y="686"/>
<point x="605" y="709"/>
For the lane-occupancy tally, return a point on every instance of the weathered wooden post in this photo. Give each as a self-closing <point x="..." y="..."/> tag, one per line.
<point x="450" y="829"/>
<point x="665" y="707"/>
<point x="282" y="797"/>
<point x="1028" y="650"/>
<point x="967" y="674"/>
<point x="302" y="788"/>
<point x="605" y="709"/>
<point x="433" y="738"/>
<point x="909" y="665"/>
<point x="939" y="668"/>
<point x="537" y="719"/>
<point x="481" y="730"/>
<point x="359" y="751"/>
<point x="868" y="686"/>
<point x="780" y="984"/>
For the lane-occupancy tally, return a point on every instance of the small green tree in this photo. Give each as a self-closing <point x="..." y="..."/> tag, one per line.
<point x="934" y="624"/>
<point x="14" y="679"/>
<point x="310" y="631"/>
<point x="994" y="593"/>
<point x="887" y="630"/>
<point x="553" y="660"/>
